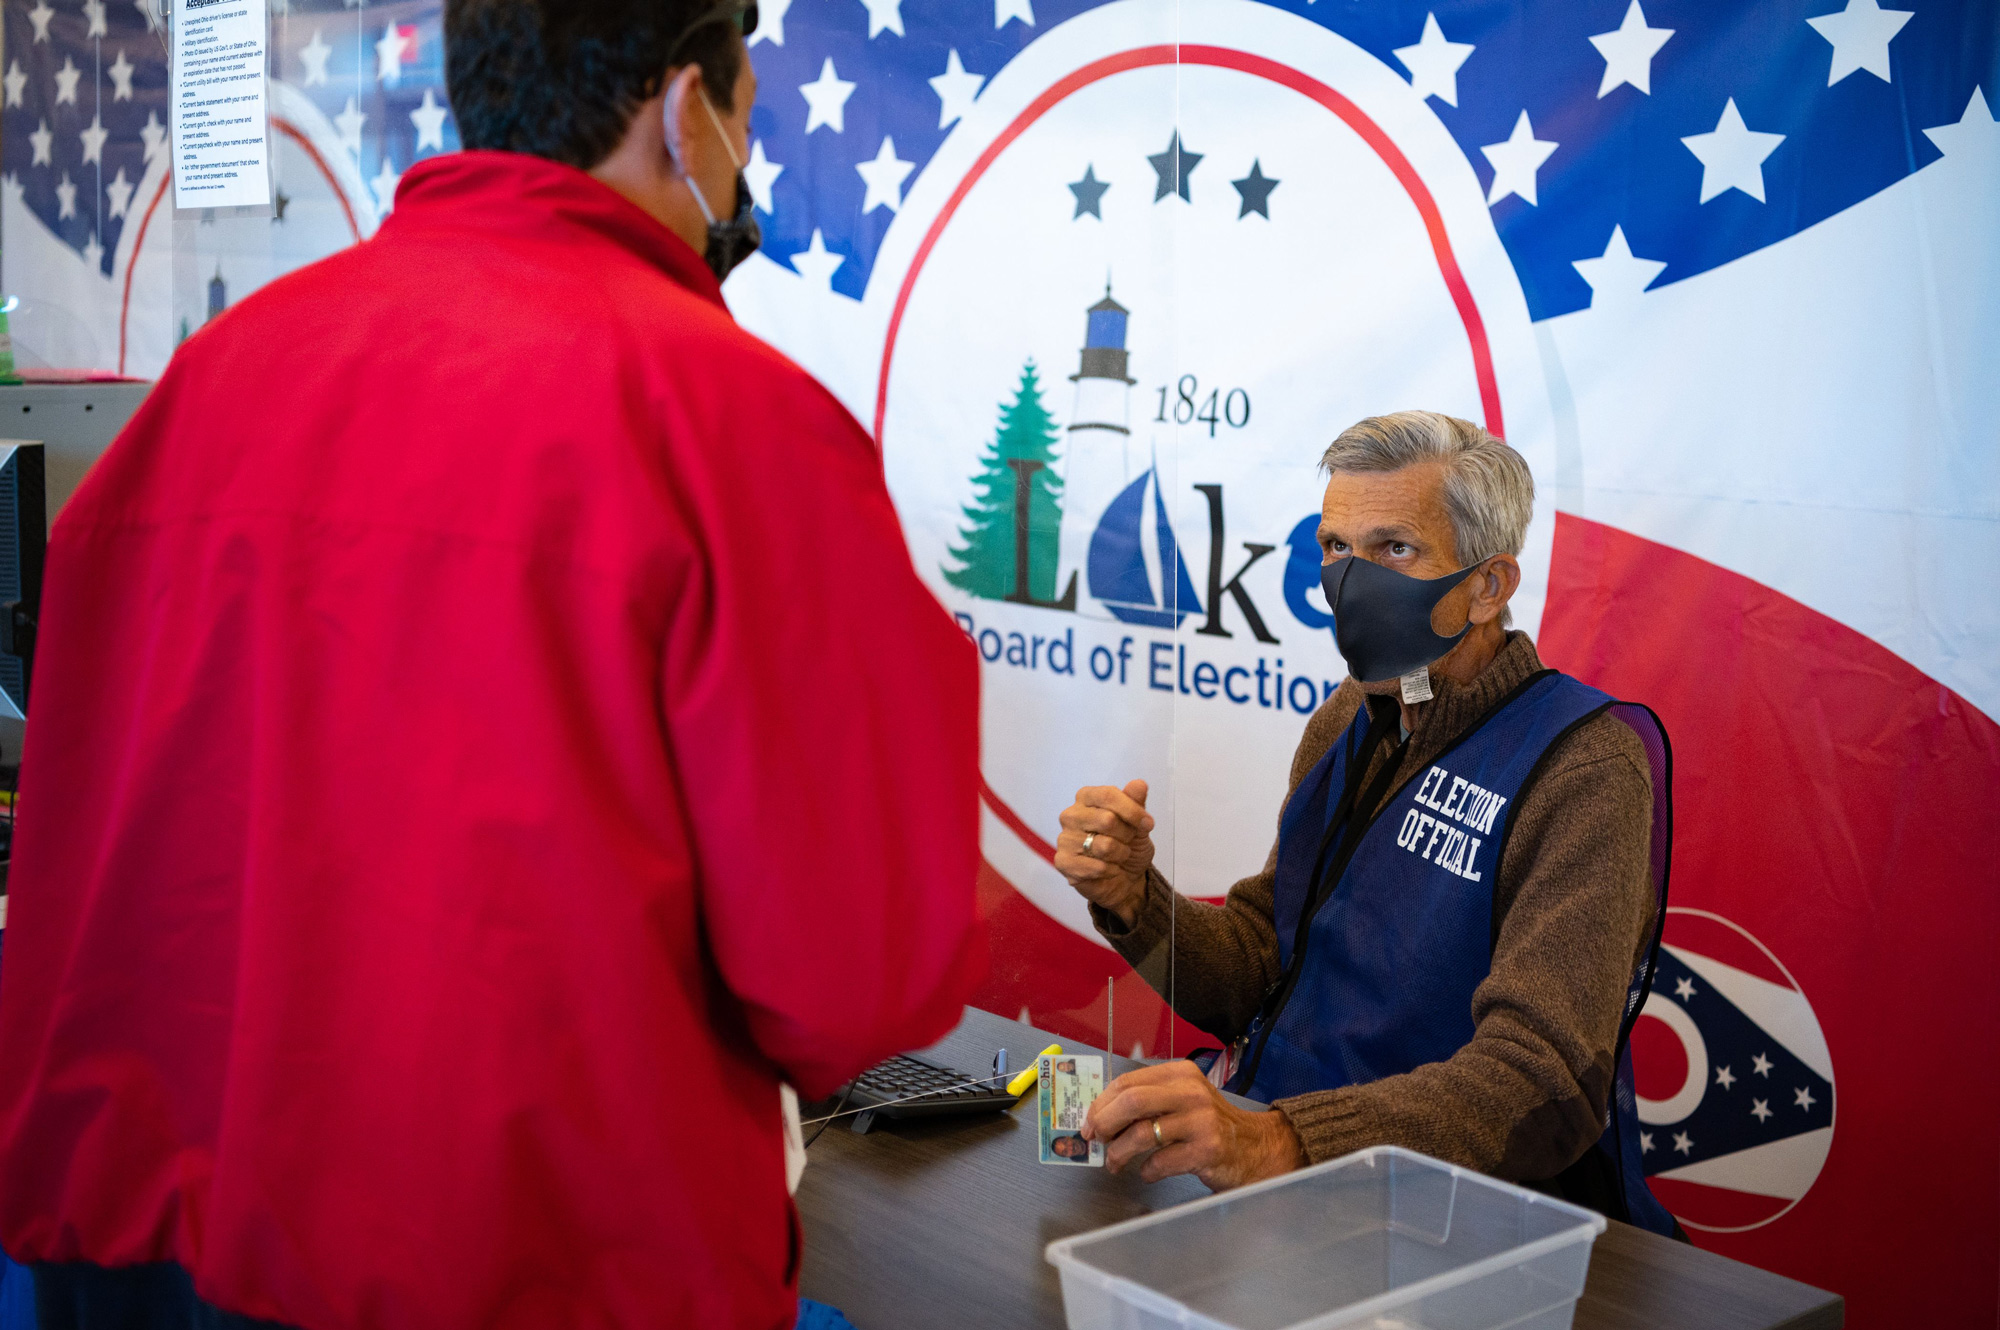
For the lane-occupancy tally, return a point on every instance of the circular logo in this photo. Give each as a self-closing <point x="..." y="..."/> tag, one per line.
<point x="1735" y="1083"/>
<point x="1145" y="282"/>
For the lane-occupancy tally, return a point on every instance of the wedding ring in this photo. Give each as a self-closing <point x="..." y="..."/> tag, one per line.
<point x="1158" y="1142"/>
<point x="1088" y="837"/>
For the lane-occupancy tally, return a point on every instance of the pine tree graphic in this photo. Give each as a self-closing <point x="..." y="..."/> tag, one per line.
<point x="989" y="559"/>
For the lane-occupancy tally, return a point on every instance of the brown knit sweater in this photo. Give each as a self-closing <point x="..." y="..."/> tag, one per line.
<point x="1526" y="1097"/>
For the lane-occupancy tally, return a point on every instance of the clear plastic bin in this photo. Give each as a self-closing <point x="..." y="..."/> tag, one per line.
<point x="1385" y="1239"/>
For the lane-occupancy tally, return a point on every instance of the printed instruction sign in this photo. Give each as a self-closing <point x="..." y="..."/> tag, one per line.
<point x="221" y="119"/>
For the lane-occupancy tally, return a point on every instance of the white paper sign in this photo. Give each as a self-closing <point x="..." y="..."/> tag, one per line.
<point x="221" y="121"/>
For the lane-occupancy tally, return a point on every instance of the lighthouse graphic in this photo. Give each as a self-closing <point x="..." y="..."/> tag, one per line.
<point x="1103" y="388"/>
<point x="1131" y="559"/>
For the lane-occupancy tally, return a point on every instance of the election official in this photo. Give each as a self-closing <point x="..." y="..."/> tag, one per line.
<point x="1447" y="944"/>
<point x="477" y="699"/>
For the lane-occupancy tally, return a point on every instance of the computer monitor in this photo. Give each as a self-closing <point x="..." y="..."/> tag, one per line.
<point x="23" y="543"/>
<point x="75" y="423"/>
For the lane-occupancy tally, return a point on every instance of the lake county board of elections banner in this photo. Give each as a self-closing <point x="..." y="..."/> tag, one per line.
<point x="1104" y="278"/>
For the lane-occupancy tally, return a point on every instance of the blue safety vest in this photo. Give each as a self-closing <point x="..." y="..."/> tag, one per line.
<point x="1379" y="971"/>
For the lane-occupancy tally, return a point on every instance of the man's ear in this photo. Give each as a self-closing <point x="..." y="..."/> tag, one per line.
<point x="1492" y="587"/>
<point x="678" y="105"/>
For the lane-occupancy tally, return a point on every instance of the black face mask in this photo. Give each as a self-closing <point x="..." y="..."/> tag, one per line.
<point x="1382" y="618"/>
<point x="735" y="238"/>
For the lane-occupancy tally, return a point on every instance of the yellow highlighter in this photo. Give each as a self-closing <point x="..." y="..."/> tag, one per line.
<point x="1025" y="1082"/>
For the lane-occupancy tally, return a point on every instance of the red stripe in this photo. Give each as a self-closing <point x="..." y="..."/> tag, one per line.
<point x="125" y="306"/>
<point x="291" y="131"/>
<point x="1014" y="822"/>
<point x="1035" y="842"/>
<point x="1413" y="185"/>
<point x="1224" y="58"/>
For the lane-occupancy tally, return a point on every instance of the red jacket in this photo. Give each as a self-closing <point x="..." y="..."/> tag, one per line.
<point x="487" y="733"/>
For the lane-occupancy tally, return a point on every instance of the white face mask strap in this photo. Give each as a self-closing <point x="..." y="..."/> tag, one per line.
<point x="716" y="120"/>
<point x="707" y="213"/>
<point x="700" y="200"/>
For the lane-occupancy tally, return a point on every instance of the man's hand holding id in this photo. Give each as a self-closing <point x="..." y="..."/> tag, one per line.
<point x="1167" y="1120"/>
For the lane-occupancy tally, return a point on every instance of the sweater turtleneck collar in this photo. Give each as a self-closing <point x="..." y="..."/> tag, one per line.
<point x="1455" y="707"/>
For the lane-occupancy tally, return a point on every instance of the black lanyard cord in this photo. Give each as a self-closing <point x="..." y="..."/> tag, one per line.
<point x="1352" y="817"/>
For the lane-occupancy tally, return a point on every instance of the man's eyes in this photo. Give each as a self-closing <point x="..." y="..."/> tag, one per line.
<point x="1399" y="549"/>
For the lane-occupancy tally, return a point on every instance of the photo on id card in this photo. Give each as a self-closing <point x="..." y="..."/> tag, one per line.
<point x="1068" y="1083"/>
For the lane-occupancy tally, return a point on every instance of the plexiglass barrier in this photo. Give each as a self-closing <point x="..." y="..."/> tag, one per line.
<point x="1102" y="280"/>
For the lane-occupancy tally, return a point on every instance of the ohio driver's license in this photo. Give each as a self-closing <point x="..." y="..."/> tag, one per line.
<point x="1067" y="1085"/>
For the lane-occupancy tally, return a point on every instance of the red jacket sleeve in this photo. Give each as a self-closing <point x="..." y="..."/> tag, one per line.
<point x="823" y="714"/>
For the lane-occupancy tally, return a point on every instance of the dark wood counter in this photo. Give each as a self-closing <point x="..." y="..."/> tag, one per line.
<point x="942" y="1223"/>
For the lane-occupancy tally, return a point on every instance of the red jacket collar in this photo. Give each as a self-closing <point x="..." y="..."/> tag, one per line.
<point x="515" y="192"/>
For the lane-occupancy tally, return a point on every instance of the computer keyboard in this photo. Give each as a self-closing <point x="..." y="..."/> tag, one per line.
<point x="910" y="1087"/>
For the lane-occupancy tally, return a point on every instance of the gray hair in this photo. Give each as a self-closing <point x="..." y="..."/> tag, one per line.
<point x="1488" y="490"/>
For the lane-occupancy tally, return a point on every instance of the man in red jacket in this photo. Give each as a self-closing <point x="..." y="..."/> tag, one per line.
<point x="476" y="695"/>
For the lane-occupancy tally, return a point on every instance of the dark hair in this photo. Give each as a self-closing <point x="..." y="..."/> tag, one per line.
<point x="562" y="79"/>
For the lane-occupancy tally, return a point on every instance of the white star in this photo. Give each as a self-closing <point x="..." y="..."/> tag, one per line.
<point x="1006" y="9"/>
<point x="1725" y="1077"/>
<point x="389" y="55"/>
<point x="15" y="81"/>
<point x="1617" y="277"/>
<point x="955" y="89"/>
<point x="93" y="13"/>
<point x="93" y="137"/>
<point x="1803" y="1097"/>
<point x="42" y="141"/>
<point x="884" y="177"/>
<point x="65" y="198"/>
<point x="1433" y="62"/>
<point x="1860" y="35"/>
<point x="1761" y="1065"/>
<point x="152" y="19"/>
<point x="66" y="78"/>
<point x="1760" y="1109"/>
<point x="93" y="253"/>
<point x="883" y="15"/>
<point x="817" y="264"/>
<point x="384" y="184"/>
<point x="1683" y="1142"/>
<point x="1645" y="1142"/>
<point x="40" y="16"/>
<point x="1732" y="155"/>
<point x="1516" y="161"/>
<point x="120" y="191"/>
<point x="349" y="123"/>
<point x="771" y="22"/>
<point x="1684" y="988"/>
<point x="1628" y="52"/>
<point x="121" y="78"/>
<point x="314" y="55"/>
<point x="1975" y="131"/>
<point x="826" y="99"/>
<point x="154" y="135"/>
<point x="759" y="174"/>
<point x="429" y="120"/>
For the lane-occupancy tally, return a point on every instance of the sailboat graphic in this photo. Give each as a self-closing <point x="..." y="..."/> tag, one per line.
<point x="1121" y="574"/>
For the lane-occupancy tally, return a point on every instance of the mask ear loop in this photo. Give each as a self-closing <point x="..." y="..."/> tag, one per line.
<point x="700" y="200"/>
<point x="716" y="120"/>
